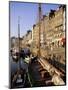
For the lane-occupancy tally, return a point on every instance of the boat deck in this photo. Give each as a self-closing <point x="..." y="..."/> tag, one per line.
<point x="39" y="75"/>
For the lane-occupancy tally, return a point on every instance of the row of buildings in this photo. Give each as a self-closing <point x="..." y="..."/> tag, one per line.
<point x="52" y="32"/>
<point x="52" y="28"/>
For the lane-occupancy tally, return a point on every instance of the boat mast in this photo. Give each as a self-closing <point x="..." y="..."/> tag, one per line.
<point x="19" y="32"/>
<point x="39" y="53"/>
<point x="19" y="41"/>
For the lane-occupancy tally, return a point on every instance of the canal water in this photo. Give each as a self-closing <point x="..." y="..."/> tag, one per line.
<point x="15" y="65"/>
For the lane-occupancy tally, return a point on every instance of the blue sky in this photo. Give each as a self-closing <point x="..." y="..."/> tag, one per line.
<point x="28" y="13"/>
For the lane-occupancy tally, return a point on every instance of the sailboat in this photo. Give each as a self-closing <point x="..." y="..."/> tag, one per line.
<point x="40" y="71"/>
<point x="18" y="77"/>
<point x="38" y="74"/>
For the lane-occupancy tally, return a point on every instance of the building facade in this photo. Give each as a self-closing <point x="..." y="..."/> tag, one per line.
<point x="52" y="29"/>
<point x="26" y="39"/>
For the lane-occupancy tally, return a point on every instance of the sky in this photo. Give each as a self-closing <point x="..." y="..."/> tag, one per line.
<point x="28" y="13"/>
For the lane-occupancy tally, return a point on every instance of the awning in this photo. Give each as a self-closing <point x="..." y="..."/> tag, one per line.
<point x="63" y="39"/>
<point x="58" y="39"/>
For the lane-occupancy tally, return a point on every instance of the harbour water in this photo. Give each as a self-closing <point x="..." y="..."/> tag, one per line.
<point x="22" y="65"/>
<point x="15" y="65"/>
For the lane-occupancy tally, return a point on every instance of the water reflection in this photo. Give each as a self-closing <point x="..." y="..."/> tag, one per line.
<point x="15" y="65"/>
